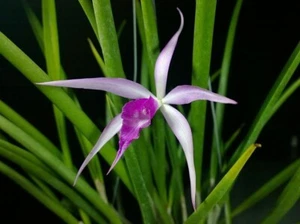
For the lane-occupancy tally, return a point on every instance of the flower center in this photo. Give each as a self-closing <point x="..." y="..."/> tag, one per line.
<point x="136" y="115"/>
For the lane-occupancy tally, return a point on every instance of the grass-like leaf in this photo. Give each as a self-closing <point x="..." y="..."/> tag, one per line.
<point x="52" y="180"/>
<point x="140" y="188"/>
<point x="53" y="206"/>
<point x="97" y="57"/>
<point x="94" y="165"/>
<point x="108" y="38"/>
<point x="222" y="188"/>
<point x="286" y="200"/>
<point x="35" y="25"/>
<point x="89" y="12"/>
<point x="267" y="108"/>
<point x="27" y="127"/>
<point x="151" y="43"/>
<point x="52" y="56"/>
<point x="222" y="90"/>
<point x="267" y="188"/>
<point x="56" y="165"/>
<point x="59" y="97"/>
<point x="203" y="36"/>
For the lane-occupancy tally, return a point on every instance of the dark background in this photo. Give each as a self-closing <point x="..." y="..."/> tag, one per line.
<point x="267" y="33"/>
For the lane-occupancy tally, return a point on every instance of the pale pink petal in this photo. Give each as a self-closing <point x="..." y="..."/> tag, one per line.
<point x="186" y="94"/>
<point x="183" y="133"/>
<point x="110" y="130"/>
<point x="118" y="86"/>
<point x="163" y="62"/>
<point x="136" y="115"/>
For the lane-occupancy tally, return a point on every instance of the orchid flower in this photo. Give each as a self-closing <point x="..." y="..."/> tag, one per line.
<point x="138" y="113"/>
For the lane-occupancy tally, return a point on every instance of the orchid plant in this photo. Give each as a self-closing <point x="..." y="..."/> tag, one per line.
<point x="152" y="173"/>
<point x="138" y="113"/>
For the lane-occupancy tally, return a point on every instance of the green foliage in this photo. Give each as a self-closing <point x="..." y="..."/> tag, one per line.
<point x="154" y="166"/>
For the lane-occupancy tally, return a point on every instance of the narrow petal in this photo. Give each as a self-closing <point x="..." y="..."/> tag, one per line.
<point x="163" y="62"/>
<point x="183" y="133"/>
<point x="186" y="94"/>
<point x="136" y="115"/>
<point x="110" y="130"/>
<point x="118" y="86"/>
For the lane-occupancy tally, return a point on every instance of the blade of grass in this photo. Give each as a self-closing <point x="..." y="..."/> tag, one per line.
<point x="267" y="188"/>
<point x="108" y="38"/>
<point x="52" y="56"/>
<point x="59" y="97"/>
<point x="52" y="181"/>
<point x="35" y="24"/>
<point x="89" y="12"/>
<point x="45" y="189"/>
<point x="225" y="68"/>
<point x="222" y="188"/>
<point x="159" y="148"/>
<point x="27" y="127"/>
<point x="97" y="57"/>
<point x="202" y="46"/>
<point x="165" y="217"/>
<point x="267" y="108"/>
<point x="222" y="90"/>
<point x="112" y="58"/>
<point x="232" y="138"/>
<point x="134" y="40"/>
<point x="94" y="165"/>
<point x="151" y="37"/>
<point x="85" y="218"/>
<point x="59" y="167"/>
<point x="218" y="114"/>
<point x="215" y="155"/>
<point x="56" y="208"/>
<point x="286" y="200"/>
<point x="140" y="188"/>
<point x="286" y="94"/>
<point x="121" y="28"/>
<point x="24" y="154"/>
<point x="144" y="161"/>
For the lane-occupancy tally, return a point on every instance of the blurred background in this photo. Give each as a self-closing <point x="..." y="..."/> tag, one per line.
<point x="266" y="35"/>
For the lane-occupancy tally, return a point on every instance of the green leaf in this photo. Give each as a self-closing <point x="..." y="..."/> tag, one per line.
<point x="225" y="68"/>
<point x="203" y="36"/>
<point x="52" y="180"/>
<point x="286" y="200"/>
<point x="56" y="165"/>
<point x="53" y="206"/>
<point x="59" y="97"/>
<point x="27" y="127"/>
<point x="89" y="12"/>
<point x="159" y="160"/>
<point x="151" y="43"/>
<point x="51" y="43"/>
<point x="94" y="165"/>
<point x="274" y="95"/>
<point x="108" y="38"/>
<point x="286" y="94"/>
<point x="52" y="56"/>
<point x="222" y="188"/>
<point x="217" y="148"/>
<point x="35" y="24"/>
<point x="140" y="188"/>
<point x="98" y="58"/>
<point x="267" y="188"/>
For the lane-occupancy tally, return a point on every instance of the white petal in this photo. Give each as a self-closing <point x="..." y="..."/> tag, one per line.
<point x="110" y="130"/>
<point x="186" y="94"/>
<point x="119" y="86"/>
<point x="163" y="62"/>
<point x="183" y="133"/>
